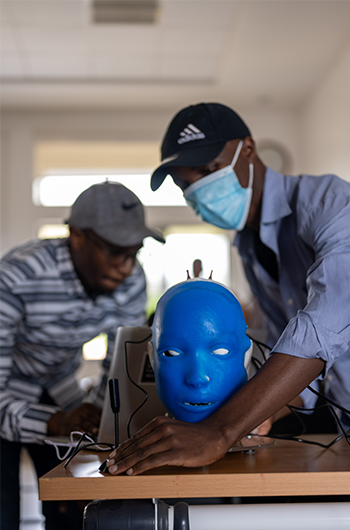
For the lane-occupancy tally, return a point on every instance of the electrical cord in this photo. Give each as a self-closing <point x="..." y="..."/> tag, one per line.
<point x="260" y="345"/>
<point x="329" y="403"/>
<point x="79" y="446"/>
<point x="294" y="410"/>
<point x="68" y="445"/>
<point x="132" y="381"/>
<point x="258" y="364"/>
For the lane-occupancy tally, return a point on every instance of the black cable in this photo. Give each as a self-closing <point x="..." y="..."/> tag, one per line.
<point x="79" y="447"/>
<point x="302" y="440"/>
<point x="343" y="409"/>
<point x="332" y="404"/>
<point x="318" y="394"/>
<point x="260" y="344"/>
<point x="131" y="380"/>
<point x="294" y="411"/>
<point x="339" y="423"/>
<point x="76" y="450"/>
<point x="329" y="402"/>
<point x="257" y="363"/>
<point x="113" y="386"/>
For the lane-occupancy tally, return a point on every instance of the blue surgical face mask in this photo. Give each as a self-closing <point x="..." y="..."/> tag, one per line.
<point x="219" y="199"/>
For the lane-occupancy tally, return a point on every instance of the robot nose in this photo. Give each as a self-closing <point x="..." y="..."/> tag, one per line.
<point x="197" y="374"/>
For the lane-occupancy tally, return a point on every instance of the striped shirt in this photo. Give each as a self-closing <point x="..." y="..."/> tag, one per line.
<point x="45" y="318"/>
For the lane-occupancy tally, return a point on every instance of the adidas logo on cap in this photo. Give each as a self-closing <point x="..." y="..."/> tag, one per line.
<point x="190" y="133"/>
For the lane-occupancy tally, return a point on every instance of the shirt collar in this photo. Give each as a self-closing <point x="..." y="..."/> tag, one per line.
<point x="274" y="207"/>
<point x="274" y="201"/>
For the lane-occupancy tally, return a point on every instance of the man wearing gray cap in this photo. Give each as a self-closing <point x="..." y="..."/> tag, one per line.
<point x="56" y="295"/>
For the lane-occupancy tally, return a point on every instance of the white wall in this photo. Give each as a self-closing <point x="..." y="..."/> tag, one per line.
<point x="280" y="126"/>
<point x="20" y="131"/>
<point x="325" y="122"/>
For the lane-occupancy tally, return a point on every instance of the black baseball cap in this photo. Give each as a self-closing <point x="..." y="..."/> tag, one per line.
<point x="114" y="213"/>
<point x="196" y="135"/>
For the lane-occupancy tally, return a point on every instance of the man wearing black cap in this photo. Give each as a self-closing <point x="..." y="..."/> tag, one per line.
<point x="294" y="240"/>
<point x="57" y="294"/>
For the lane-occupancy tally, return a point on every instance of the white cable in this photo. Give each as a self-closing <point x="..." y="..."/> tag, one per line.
<point x="72" y="444"/>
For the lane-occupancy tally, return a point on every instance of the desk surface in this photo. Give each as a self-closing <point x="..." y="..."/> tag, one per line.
<point x="285" y="468"/>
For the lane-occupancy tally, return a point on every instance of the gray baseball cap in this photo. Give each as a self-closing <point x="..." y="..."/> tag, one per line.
<point x="114" y="213"/>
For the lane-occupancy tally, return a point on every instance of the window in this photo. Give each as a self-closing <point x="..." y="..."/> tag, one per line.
<point x="63" y="189"/>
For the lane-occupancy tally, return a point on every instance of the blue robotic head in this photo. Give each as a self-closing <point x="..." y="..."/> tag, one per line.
<point x="199" y="342"/>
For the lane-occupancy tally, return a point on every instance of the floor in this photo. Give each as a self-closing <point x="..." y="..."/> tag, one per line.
<point x="31" y="516"/>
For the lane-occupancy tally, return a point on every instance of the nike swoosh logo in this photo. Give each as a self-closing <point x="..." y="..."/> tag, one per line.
<point x="129" y="206"/>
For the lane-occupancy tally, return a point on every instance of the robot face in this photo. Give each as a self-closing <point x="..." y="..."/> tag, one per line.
<point x="199" y="341"/>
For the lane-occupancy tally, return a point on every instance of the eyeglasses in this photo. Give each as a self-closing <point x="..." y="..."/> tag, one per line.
<point x="109" y="250"/>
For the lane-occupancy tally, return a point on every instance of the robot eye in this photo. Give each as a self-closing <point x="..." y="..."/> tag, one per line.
<point x="221" y="351"/>
<point x="171" y="353"/>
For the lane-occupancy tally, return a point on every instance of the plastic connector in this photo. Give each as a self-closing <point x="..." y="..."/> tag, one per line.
<point x="114" y="395"/>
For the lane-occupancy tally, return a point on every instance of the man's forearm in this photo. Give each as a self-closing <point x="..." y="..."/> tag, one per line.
<point x="166" y="441"/>
<point x="278" y="382"/>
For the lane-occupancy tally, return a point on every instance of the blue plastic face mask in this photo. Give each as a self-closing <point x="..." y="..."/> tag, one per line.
<point x="199" y="342"/>
<point x="219" y="198"/>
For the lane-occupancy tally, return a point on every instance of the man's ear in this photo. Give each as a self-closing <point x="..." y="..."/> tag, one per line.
<point x="76" y="238"/>
<point x="249" y="149"/>
<point x="150" y="351"/>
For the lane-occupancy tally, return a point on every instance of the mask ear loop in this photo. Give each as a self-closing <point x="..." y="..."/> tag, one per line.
<point x="201" y="182"/>
<point x="251" y="165"/>
<point x="237" y="153"/>
<point x="251" y="175"/>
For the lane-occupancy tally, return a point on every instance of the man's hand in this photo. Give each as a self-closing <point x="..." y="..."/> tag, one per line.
<point x="85" y="418"/>
<point x="266" y="426"/>
<point x="170" y="442"/>
<point x="165" y="441"/>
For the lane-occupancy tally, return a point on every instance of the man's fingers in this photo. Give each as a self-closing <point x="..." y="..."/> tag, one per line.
<point x="86" y="418"/>
<point x="166" y="442"/>
<point x="147" y="449"/>
<point x="87" y="426"/>
<point x="130" y="445"/>
<point x="264" y="428"/>
<point x="153" y="450"/>
<point x="90" y="412"/>
<point x="134" y="466"/>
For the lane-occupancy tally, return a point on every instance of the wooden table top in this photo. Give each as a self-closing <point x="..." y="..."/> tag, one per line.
<point x="284" y="468"/>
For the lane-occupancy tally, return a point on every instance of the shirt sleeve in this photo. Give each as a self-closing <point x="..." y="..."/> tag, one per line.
<point x="309" y="398"/>
<point x="322" y="328"/>
<point x="22" y="417"/>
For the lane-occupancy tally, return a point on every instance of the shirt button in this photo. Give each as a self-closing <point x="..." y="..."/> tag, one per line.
<point x="329" y="377"/>
<point x="290" y="301"/>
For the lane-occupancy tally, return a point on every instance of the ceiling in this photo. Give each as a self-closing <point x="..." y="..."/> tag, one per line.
<point x="256" y="53"/>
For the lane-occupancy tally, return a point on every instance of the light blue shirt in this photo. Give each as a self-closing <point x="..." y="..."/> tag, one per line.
<point x="306" y="222"/>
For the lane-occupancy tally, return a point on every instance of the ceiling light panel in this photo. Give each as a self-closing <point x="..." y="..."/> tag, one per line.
<point x="124" y="11"/>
